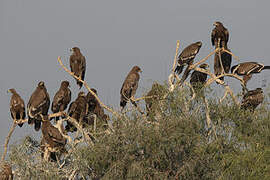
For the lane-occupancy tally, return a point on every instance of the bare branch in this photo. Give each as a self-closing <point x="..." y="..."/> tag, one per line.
<point x="7" y="141"/>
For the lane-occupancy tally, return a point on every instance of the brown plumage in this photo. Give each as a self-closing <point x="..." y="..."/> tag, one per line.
<point x="153" y="97"/>
<point x="17" y="107"/>
<point x="52" y="138"/>
<point x="6" y="171"/>
<point x="187" y="56"/>
<point x="129" y="87"/>
<point x="62" y="98"/>
<point x="246" y="69"/>
<point x="219" y="35"/>
<point x="77" y="64"/>
<point x="252" y="99"/>
<point x="226" y="60"/>
<point x="198" y="79"/>
<point x="39" y="103"/>
<point x="93" y="104"/>
<point x="78" y="110"/>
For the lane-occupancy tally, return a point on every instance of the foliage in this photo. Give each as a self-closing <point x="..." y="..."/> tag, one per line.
<point x="174" y="145"/>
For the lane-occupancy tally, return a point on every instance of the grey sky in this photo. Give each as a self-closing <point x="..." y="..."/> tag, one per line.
<point x="114" y="36"/>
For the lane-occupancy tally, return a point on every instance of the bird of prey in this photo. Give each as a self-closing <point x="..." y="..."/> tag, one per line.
<point x="153" y="98"/>
<point x="198" y="79"/>
<point x="17" y="107"/>
<point x="252" y="99"/>
<point x="226" y="60"/>
<point x="78" y="110"/>
<point x="53" y="140"/>
<point x="38" y="104"/>
<point x="6" y="171"/>
<point x="219" y="36"/>
<point x="77" y="64"/>
<point x="62" y="98"/>
<point x="246" y="70"/>
<point x="187" y="56"/>
<point x="93" y="104"/>
<point x="129" y="87"/>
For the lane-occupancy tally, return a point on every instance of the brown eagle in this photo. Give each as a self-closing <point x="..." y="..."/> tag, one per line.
<point x="187" y="56"/>
<point x="129" y="87"/>
<point x="38" y="104"/>
<point x="6" y="171"/>
<point x="198" y="79"/>
<point x="226" y="60"/>
<point x="252" y="99"/>
<point x="93" y="104"/>
<point x="62" y="98"/>
<point x="52" y="140"/>
<point x="17" y="107"/>
<point x="77" y="110"/>
<point x="246" y="70"/>
<point x="77" y="64"/>
<point x="219" y="36"/>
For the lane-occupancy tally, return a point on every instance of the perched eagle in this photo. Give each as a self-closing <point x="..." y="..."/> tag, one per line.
<point x="219" y="35"/>
<point x="129" y="87"/>
<point x="93" y="104"/>
<point x="77" y="64"/>
<point x="17" y="107"/>
<point x="52" y="140"/>
<point x="252" y="99"/>
<point x="187" y="56"/>
<point x="153" y="98"/>
<point x="38" y="104"/>
<point x="226" y="60"/>
<point x="198" y="79"/>
<point x="6" y="171"/>
<point x="246" y="70"/>
<point x="62" y="98"/>
<point x="78" y="110"/>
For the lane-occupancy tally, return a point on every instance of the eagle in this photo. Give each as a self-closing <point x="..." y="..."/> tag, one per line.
<point x="6" y="171"/>
<point x="52" y="140"/>
<point x="62" y="98"/>
<point x="129" y="87"/>
<point x="77" y="64"/>
<point x="38" y="104"/>
<point x="198" y="79"/>
<point x="252" y="99"/>
<point x="246" y="70"/>
<point x="219" y="35"/>
<point x="187" y="56"/>
<point x="17" y="107"/>
<point x="93" y="104"/>
<point x="153" y="97"/>
<point x="78" y="109"/>
<point x="226" y="60"/>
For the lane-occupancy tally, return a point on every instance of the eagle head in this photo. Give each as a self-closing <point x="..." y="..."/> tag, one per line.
<point x="136" y="69"/>
<point x="81" y="94"/>
<point x="204" y="66"/>
<point x="217" y="23"/>
<point x="11" y="91"/>
<point x="65" y="84"/>
<point x="41" y="84"/>
<point x="75" y="50"/>
<point x="199" y="44"/>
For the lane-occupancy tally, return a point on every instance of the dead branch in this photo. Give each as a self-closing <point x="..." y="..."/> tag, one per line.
<point x="208" y="119"/>
<point x="87" y="87"/>
<point x="7" y="141"/>
<point x="172" y="76"/>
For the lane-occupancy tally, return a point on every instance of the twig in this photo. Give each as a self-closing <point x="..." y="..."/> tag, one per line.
<point x="208" y="119"/>
<point x="87" y="87"/>
<point x="204" y="59"/>
<point x="175" y="56"/>
<point x="7" y="140"/>
<point x="172" y="76"/>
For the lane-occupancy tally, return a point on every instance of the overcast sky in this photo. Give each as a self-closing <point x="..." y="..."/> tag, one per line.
<point x="115" y="35"/>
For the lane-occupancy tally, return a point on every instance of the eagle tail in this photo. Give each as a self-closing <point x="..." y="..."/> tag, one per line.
<point x="123" y="103"/>
<point x="20" y="124"/>
<point x="266" y="67"/>
<point x="37" y="125"/>
<point x="179" y="69"/>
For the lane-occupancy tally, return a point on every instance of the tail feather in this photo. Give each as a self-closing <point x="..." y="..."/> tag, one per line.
<point x="37" y="125"/>
<point x="20" y="124"/>
<point x="179" y="69"/>
<point x="266" y="67"/>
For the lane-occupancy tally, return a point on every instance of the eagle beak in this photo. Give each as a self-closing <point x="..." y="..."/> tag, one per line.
<point x="215" y="24"/>
<point x="71" y="50"/>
